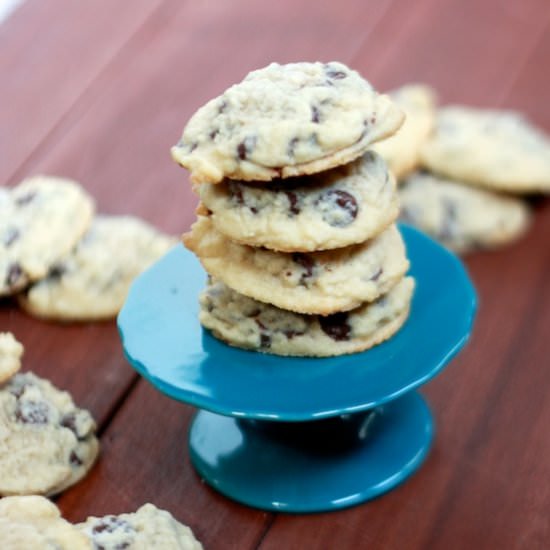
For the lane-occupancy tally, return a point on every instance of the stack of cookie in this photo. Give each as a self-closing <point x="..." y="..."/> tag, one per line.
<point x="296" y="217"/>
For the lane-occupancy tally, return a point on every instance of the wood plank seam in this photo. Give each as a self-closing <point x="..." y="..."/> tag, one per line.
<point x="118" y="404"/>
<point x="267" y="527"/>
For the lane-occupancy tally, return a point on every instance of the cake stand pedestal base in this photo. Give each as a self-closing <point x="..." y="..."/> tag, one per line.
<point x="313" y="466"/>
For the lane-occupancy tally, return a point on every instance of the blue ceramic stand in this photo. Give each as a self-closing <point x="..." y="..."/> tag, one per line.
<point x="300" y="434"/>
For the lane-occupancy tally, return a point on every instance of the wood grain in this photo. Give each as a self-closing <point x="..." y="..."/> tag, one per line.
<point x="110" y="124"/>
<point x="50" y="52"/>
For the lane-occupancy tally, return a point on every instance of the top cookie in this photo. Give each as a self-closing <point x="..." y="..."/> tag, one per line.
<point x="339" y="207"/>
<point x="493" y="149"/>
<point x="285" y="120"/>
<point x="402" y="150"/>
<point x="149" y="527"/>
<point x="41" y="220"/>
<point x="33" y="522"/>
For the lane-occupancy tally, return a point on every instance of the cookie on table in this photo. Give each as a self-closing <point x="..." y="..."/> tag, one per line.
<point x="402" y="150"/>
<point x="461" y="217"/>
<point x="314" y="282"/>
<point x="92" y="282"/>
<point x="285" y="120"/>
<point x="499" y="150"/>
<point x="41" y="220"/>
<point x="46" y="443"/>
<point x="33" y="522"/>
<point x="10" y="356"/>
<point x="149" y="527"/>
<point x="342" y="206"/>
<point x="246" y="323"/>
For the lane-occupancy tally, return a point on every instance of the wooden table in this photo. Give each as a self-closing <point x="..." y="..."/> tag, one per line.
<point x="99" y="90"/>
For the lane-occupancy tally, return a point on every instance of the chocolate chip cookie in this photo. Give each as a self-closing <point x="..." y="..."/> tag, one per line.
<point x="149" y="527"/>
<point x="283" y="121"/>
<point x="41" y="220"/>
<point x="10" y="356"/>
<point x="46" y="442"/>
<point x="499" y="150"/>
<point x="315" y="282"/>
<point x="461" y="217"/>
<point x="402" y="150"/>
<point x="92" y="282"/>
<point x="34" y="523"/>
<point x="246" y="323"/>
<point x="332" y="209"/>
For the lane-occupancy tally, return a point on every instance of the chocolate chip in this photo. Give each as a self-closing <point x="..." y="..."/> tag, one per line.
<point x="18" y="390"/>
<point x="110" y="524"/>
<point x="69" y="421"/>
<point x="315" y="114"/>
<point x="376" y="276"/>
<point x="290" y="334"/>
<point x="57" y="271"/>
<point x="336" y="75"/>
<point x="14" y="274"/>
<point x="25" y="199"/>
<point x="246" y="146"/>
<point x="214" y="133"/>
<point x="222" y="107"/>
<point x="292" y="146"/>
<point x="254" y="313"/>
<point x="241" y="150"/>
<point x="293" y="200"/>
<point x="10" y="236"/>
<point x="336" y="326"/>
<point x="236" y="193"/>
<point x="306" y="262"/>
<point x="448" y="228"/>
<point x="32" y="412"/>
<point x="265" y="340"/>
<point x="339" y="208"/>
<point x="75" y="460"/>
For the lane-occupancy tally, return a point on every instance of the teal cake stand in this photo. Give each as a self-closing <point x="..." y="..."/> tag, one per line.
<point x="300" y="434"/>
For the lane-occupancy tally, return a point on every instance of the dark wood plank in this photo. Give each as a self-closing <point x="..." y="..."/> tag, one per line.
<point x="50" y="52"/>
<point x="481" y="487"/>
<point x="469" y="51"/>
